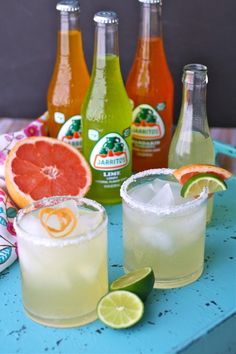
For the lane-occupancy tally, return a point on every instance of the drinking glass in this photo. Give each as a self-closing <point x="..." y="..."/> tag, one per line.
<point x="63" y="279"/>
<point x="168" y="238"/>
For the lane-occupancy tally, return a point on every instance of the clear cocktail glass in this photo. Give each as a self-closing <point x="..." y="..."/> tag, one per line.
<point x="163" y="230"/>
<point x="63" y="278"/>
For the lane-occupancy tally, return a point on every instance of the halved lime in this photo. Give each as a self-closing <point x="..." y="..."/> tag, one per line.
<point x="139" y="282"/>
<point x="195" y="185"/>
<point x="120" y="309"/>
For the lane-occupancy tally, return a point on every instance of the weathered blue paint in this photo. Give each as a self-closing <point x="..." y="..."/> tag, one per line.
<point x="199" y="318"/>
<point x="225" y="149"/>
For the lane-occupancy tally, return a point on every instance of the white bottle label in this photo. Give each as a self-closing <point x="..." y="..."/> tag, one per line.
<point x="110" y="153"/>
<point x="70" y="132"/>
<point x="147" y="129"/>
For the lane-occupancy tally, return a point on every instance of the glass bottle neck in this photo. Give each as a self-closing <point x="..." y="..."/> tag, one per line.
<point x="69" y="21"/>
<point x="150" y="21"/>
<point x="69" y="24"/>
<point x="106" y="44"/>
<point x="193" y="111"/>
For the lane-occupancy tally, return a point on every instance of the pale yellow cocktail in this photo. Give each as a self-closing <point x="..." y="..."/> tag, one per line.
<point x="163" y="230"/>
<point x="63" y="279"/>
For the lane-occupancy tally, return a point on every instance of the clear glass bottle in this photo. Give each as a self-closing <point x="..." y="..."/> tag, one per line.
<point x="107" y="115"/>
<point x="192" y="141"/>
<point x="150" y="86"/>
<point x="70" y="77"/>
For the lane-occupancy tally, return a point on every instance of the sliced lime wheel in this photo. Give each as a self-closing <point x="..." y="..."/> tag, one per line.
<point x="195" y="185"/>
<point x="120" y="309"/>
<point x="139" y="282"/>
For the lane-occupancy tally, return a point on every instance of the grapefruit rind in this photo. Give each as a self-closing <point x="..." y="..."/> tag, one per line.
<point x="65" y="216"/>
<point x="184" y="173"/>
<point x="22" y="198"/>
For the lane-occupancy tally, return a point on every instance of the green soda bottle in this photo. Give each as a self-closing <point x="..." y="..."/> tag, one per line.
<point x="107" y="115"/>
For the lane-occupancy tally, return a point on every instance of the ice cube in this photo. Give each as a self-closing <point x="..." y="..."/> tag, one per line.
<point x="190" y="227"/>
<point x="176" y="190"/>
<point x="142" y="193"/>
<point x="87" y="221"/>
<point x="157" y="184"/>
<point x="164" y="197"/>
<point x="135" y="217"/>
<point x="32" y="225"/>
<point x="31" y="258"/>
<point x="158" y="239"/>
<point x="70" y="204"/>
<point x="89" y="272"/>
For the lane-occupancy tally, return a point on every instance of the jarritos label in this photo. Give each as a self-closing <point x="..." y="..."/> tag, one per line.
<point x="110" y="153"/>
<point x="147" y="123"/>
<point x="70" y="132"/>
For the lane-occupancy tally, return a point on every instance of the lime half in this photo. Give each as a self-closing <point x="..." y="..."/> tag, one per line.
<point x="120" y="309"/>
<point x="195" y="185"/>
<point x="139" y="282"/>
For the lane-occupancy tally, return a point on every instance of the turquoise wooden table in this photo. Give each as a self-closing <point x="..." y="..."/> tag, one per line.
<point x="199" y="318"/>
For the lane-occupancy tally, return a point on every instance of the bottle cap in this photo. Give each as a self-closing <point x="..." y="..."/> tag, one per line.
<point x="195" y="74"/>
<point x="68" y="5"/>
<point x="151" y="1"/>
<point x="106" y="17"/>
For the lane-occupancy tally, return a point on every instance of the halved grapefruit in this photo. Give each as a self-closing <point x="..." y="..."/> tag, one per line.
<point x="184" y="173"/>
<point x="39" y="167"/>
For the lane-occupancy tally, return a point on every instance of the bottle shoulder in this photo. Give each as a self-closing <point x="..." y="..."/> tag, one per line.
<point x="68" y="84"/>
<point x="105" y="93"/>
<point x="109" y="108"/>
<point x="101" y="106"/>
<point x="147" y="81"/>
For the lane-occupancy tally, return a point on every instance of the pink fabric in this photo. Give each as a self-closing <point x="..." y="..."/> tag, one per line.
<point x="8" y="244"/>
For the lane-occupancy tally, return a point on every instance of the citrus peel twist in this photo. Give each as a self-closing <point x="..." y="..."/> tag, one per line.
<point x="66" y="217"/>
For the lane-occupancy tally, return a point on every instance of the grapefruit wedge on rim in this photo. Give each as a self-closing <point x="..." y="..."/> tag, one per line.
<point x="184" y="173"/>
<point x="39" y="167"/>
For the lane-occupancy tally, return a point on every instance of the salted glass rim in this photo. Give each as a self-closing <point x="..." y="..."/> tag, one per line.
<point x="160" y="211"/>
<point x="50" y="242"/>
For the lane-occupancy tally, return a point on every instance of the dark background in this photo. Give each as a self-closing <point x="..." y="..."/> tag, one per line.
<point x="201" y="31"/>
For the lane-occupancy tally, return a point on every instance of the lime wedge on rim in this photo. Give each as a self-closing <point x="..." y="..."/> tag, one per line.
<point x="120" y="309"/>
<point x="195" y="185"/>
<point x="139" y="282"/>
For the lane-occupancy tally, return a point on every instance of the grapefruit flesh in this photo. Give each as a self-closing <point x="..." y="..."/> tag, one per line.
<point x="39" y="167"/>
<point x="184" y="173"/>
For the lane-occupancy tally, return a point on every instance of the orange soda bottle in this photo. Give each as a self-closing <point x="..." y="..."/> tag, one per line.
<point x="150" y="87"/>
<point x="70" y="78"/>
